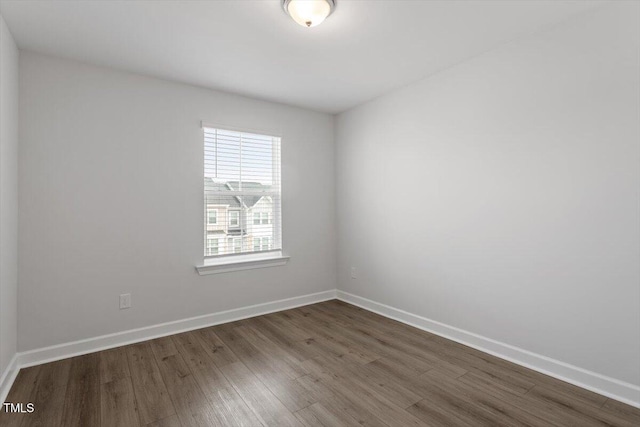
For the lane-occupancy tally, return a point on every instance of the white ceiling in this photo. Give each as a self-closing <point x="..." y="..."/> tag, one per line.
<point x="366" y="48"/>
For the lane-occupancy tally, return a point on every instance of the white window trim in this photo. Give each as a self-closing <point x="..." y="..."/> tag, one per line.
<point x="235" y="214"/>
<point x="235" y="240"/>
<point x="248" y="261"/>
<point x="212" y="210"/>
<point x="217" y="246"/>
<point x="242" y="262"/>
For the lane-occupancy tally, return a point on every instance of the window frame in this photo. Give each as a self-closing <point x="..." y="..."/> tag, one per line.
<point x="235" y="240"/>
<point x="232" y="213"/>
<point x="217" y="246"/>
<point x="209" y="216"/>
<point x="248" y="258"/>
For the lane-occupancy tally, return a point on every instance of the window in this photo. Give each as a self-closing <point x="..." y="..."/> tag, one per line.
<point x="212" y="246"/>
<point x="234" y="218"/>
<point x="261" y="244"/>
<point x="242" y="185"/>
<point x="260" y="218"/>
<point x="235" y="245"/>
<point x="212" y="216"/>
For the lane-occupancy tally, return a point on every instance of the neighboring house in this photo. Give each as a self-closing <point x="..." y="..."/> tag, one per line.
<point x="237" y="224"/>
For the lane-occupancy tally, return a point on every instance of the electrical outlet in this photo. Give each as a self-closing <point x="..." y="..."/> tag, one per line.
<point x="125" y="301"/>
<point x="354" y="273"/>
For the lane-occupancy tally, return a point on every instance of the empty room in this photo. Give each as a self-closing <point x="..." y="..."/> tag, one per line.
<point x="319" y="213"/>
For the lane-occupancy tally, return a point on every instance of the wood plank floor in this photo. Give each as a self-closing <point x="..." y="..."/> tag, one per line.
<point x="327" y="364"/>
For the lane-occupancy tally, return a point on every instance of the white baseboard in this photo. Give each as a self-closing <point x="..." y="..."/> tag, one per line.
<point x="90" y="345"/>
<point x="8" y="377"/>
<point x="601" y="384"/>
<point x="610" y="387"/>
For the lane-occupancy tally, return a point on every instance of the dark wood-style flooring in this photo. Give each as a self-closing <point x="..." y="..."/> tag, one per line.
<point x="328" y="364"/>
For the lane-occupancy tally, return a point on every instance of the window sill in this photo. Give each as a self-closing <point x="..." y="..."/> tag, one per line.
<point x="244" y="262"/>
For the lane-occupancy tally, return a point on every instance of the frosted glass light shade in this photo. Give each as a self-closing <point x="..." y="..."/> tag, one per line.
<point x="308" y="13"/>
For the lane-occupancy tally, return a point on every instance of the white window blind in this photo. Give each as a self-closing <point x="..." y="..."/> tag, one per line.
<point x="242" y="186"/>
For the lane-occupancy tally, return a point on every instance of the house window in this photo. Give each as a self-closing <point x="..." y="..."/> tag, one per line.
<point x="234" y="218"/>
<point x="260" y="218"/>
<point x="212" y="216"/>
<point x="235" y="244"/>
<point x="242" y="179"/>
<point x="212" y="246"/>
<point x="261" y="244"/>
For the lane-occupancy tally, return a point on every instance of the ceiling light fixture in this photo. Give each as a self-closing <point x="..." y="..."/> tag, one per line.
<point x="308" y="13"/>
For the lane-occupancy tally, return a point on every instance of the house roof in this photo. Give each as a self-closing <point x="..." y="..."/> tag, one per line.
<point x="213" y="190"/>
<point x="249" y="201"/>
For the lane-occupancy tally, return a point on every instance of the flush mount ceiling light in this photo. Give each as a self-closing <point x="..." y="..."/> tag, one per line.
<point x="308" y="13"/>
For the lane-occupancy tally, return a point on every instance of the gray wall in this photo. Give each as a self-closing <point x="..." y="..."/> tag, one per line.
<point x="111" y="201"/>
<point x="501" y="196"/>
<point x="8" y="195"/>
